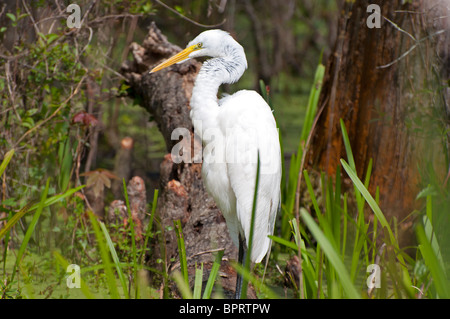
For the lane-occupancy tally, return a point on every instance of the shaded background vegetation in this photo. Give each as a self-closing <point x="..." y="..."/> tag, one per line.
<point x="65" y="110"/>
<point x="64" y="107"/>
<point x="44" y="62"/>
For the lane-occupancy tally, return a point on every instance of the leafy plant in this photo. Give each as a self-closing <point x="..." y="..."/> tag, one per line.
<point x="292" y="177"/>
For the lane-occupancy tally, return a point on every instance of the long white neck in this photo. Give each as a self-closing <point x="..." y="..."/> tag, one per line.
<point x="214" y="72"/>
<point x="204" y="101"/>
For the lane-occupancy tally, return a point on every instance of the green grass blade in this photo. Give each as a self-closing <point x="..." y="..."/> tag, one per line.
<point x="213" y="274"/>
<point x="313" y="100"/>
<point x="5" y="249"/>
<point x="182" y="285"/>
<point x="311" y="192"/>
<point x="54" y="199"/>
<point x="369" y="199"/>
<point x="181" y="250"/>
<point x="348" y="148"/>
<point x="104" y="253"/>
<point x="256" y="282"/>
<point x="13" y="220"/>
<point x="150" y="225"/>
<point x="6" y="161"/>
<point x="198" y="282"/>
<point x="289" y="186"/>
<point x="133" y="239"/>
<point x="336" y="206"/>
<point x="429" y="208"/>
<point x="116" y="260"/>
<point x="333" y="213"/>
<point x="382" y="220"/>
<point x="65" y="160"/>
<point x="324" y="220"/>
<point x="351" y="161"/>
<point x="31" y="206"/>
<point x="284" y="242"/>
<point x="289" y="197"/>
<point x="331" y="254"/>
<point x="252" y="228"/>
<point x="345" y="225"/>
<point x="375" y="227"/>
<point x="308" y="272"/>
<point x="298" y="241"/>
<point x="30" y="229"/>
<point x="440" y="279"/>
<point x="431" y="236"/>
<point x="368" y="173"/>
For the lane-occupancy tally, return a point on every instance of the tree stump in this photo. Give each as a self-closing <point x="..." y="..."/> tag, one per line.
<point x="122" y="166"/>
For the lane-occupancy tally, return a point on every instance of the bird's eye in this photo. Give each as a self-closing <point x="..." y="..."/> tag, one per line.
<point x="199" y="45"/>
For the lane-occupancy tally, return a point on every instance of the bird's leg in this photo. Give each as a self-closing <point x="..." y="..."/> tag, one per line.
<point x="242" y="255"/>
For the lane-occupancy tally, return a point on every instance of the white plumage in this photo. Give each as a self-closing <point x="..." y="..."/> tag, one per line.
<point x="233" y="130"/>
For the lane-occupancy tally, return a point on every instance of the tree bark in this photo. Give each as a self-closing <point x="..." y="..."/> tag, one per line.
<point x="375" y="81"/>
<point x="166" y="96"/>
<point x="122" y="166"/>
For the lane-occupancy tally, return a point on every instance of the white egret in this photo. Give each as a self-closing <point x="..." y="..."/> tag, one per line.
<point x="243" y="125"/>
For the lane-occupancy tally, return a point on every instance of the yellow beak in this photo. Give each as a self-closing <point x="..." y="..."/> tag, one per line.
<point x="179" y="57"/>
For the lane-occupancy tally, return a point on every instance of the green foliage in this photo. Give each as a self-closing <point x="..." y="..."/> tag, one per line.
<point x="16" y="18"/>
<point x="329" y="248"/>
<point x="32" y="206"/>
<point x="339" y="247"/>
<point x="181" y="250"/>
<point x="50" y="74"/>
<point x="290" y="177"/>
<point x="182" y="279"/>
<point x="15" y="218"/>
<point x="213" y="275"/>
<point x="30" y="229"/>
<point x="115" y="258"/>
<point x="106" y="259"/>
<point x="432" y="260"/>
<point x="6" y="161"/>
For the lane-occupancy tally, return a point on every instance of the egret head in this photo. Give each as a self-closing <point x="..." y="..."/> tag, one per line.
<point x="214" y="43"/>
<point x="211" y="43"/>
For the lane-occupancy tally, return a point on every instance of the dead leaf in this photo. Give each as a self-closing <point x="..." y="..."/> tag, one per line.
<point x="99" y="179"/>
